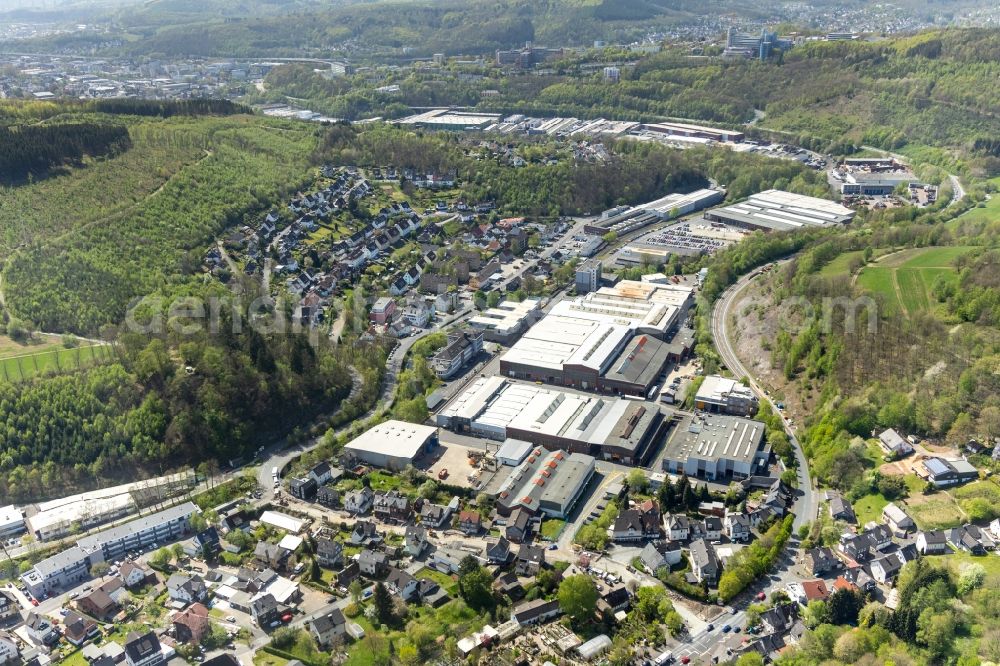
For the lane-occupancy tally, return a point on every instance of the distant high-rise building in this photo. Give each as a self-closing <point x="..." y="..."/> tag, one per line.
<point x="612" y="74"/>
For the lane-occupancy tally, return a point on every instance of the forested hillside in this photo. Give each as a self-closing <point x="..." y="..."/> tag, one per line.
<point x="83" y="278"/>
<point x="637" y="173"/>
<point x="36" y="149"/>
<point x="936" y="90"/>
<point x="171" y="401"/>
<point x="219" y="28"/>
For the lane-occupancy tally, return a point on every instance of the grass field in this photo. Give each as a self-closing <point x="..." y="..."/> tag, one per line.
<point x="869" y="508"/>
<point x="934" y="512"/>
<point x="905" y="279"/>
<point x="51" y="358"/>
<point x="841" y="264"/>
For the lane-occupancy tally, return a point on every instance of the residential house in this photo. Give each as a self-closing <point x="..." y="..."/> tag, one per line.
<point x="509" y="584"/>
<point x="264" y="610"/>
<point x="327" y="496"/>
<point x="815" y="590"/>
<point x="614" y="599"/>
<point x="705" y="565"/>
<point x="359" y="502"/>
<point x="819" y="561"/>
<point x="205" y="544"/>
<point x="321" y="473"/>
<point x="943" y="473"/>
<point x="98" y="604"/>
<point x="861" y="547"/>
<point x="658" y="554"/>
<point x="329" y="629"/>
<point x="519" y="526"/>
<point x="857" y="575"/>
<point x="77" y="629"/>
<point x="885" y="569"/>
<point x="638" y="524"/>
<point x="627" y="527"/>
<point x="470" y="522"/>
<point x="391" y="507"/>
<point x="530" y="560"/>
<point x="40" y="629"/>
<point x="897" y="520"/>
<point x="186" y="589"/>
<point x="678" y="527"/>
<point x="329" y="552"/>
<point x="841" y="509"/>
<point x="498" y="552"/>
<point x="779" y="619"/>
<point x="737" y="527"/>
<point x="350" y="573"/>
<point x="434" y="516"/>
<point x="972" y="539"/>
<point x="402" y="584"/>
<point x="271" y="556"/>
<point x="134" y="575"/>
<point x="373" y="563"/>
<point x="9" y="608"/>
<point x="304" y="488"/>
<point x="464" y="344"/>
<point x="191" y="625"/>
<point x="143" y="650"/>
<point x="712" y="528"/>
<point x="10" y="653"/>
<point x="383" y="310"/>
<point x="415" y="540"/>
<point x="894" y="444"/>
<point x="535" y="612"/>
<point x="932" y="542"/>
<point x="365" y="533"/>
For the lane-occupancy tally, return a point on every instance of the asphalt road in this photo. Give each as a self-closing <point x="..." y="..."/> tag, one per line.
<point x="808" y="501"/>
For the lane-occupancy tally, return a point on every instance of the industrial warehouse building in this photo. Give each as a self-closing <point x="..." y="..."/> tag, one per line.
<point x="547" y="482"/>
<point x="609" y="340"/>
<point x="508" y="320"/>
<point x="445" y="119"/>
<point x="624" y="219"/>
<point x="609" y="428"/>
<point x="392" y="445"/>
<point x="726" y="396"/>
<point x="716" y="447"/>
<point x="775" y="210"/>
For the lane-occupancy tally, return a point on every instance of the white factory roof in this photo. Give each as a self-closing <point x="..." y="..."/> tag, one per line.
<point x="717" y="389"/>
<point x="282" y="521"/>
<point x="679" y="201"/>
<point x="397" y="439"/>
<point x="506" y="316"/>
<point x="10" y="515"/>
<point x="785" y="210"/>
<point x="587" y="330"/>
<point x="547" y="411"/>
<point x="453" y="118"/>
<point x="514" y="449"/>
<point x="111" y="500"/>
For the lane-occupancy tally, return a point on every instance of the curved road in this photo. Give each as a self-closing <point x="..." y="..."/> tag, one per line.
<point x="808" y="502"/>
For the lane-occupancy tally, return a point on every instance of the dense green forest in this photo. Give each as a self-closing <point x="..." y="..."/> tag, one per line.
<point x="638" y="172"/>
<point x="947" y="614"/>
<point x="172" y="400"/>
<point x="36" y="149"/>
<point x="83" y="278"/>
